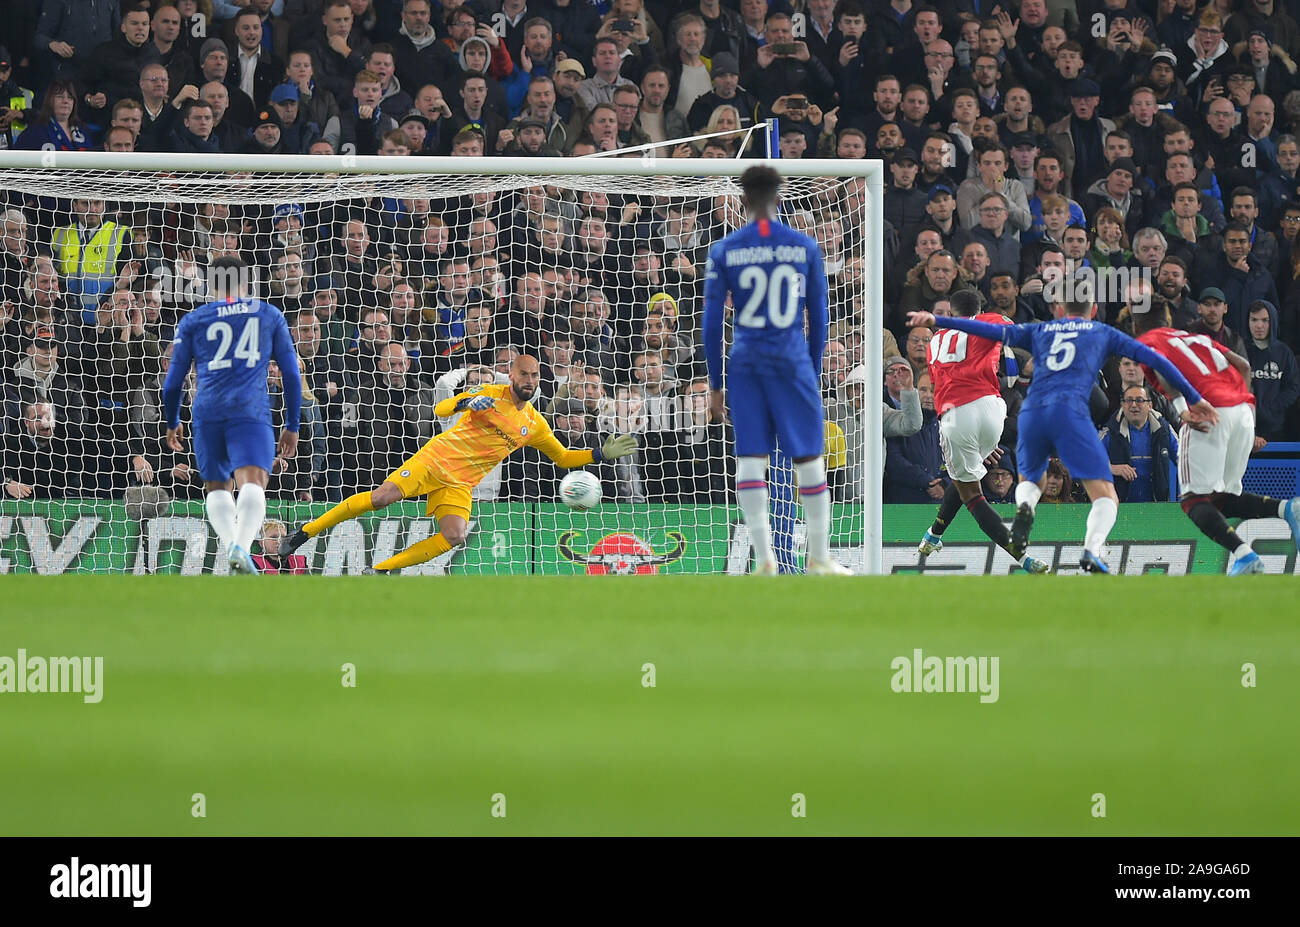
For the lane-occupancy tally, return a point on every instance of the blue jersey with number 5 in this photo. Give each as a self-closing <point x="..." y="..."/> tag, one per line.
<point x="231" y="343"/>
<point x="1068" y="356"/>
<point x="773" y="274"/>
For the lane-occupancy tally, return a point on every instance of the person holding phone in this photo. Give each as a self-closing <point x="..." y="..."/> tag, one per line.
<point x="785" y="66"/>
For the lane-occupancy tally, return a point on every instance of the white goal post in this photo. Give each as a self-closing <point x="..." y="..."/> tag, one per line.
<point x="167" y="190"/>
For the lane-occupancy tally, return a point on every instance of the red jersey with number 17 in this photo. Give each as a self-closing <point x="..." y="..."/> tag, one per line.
<point x="964" y="367"/>
<point x="1201" y="360"/>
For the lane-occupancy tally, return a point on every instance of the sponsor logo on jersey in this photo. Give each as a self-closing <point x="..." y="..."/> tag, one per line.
<point x="621" y="554"/>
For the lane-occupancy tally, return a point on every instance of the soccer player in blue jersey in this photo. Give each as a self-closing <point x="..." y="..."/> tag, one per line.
<point x="774" y="275"/>
<point x="1068" y="353"/>
<point x="231" y="341"/>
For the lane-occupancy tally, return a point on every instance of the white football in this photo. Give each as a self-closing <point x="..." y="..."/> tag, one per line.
<point x="580" y="490"/>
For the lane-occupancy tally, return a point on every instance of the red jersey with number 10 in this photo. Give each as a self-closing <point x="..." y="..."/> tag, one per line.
<point x="964" y="367"/>
<point x="1201" y="360"/>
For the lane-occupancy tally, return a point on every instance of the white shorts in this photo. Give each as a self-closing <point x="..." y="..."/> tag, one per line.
<point x="1214" y="461"/>
<point x="968" y="434"/>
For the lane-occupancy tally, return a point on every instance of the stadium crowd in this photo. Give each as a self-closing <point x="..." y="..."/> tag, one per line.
<point x="1026" y="144"/>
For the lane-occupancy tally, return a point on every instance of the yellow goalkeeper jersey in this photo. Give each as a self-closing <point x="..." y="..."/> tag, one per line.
<point x="469" y="450"/>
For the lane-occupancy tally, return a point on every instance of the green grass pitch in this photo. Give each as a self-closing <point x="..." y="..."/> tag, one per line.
<point x="533" y="689"/>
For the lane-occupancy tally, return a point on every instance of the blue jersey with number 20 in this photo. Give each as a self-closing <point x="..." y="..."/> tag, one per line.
<point x="231" y="343"/>
<point x="772" y="273"/>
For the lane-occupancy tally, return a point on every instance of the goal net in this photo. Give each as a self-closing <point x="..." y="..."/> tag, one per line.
<point x="405" y="281"/>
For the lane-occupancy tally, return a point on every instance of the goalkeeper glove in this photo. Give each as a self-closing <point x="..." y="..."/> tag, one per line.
<point x="621" y="446"/>
<point x="475" y="403"/>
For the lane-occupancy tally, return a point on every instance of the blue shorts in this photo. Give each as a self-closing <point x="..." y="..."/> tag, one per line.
<point x="223" y="447"/>
<point x="1066" y="430"/>
<point x="772" y="405"/>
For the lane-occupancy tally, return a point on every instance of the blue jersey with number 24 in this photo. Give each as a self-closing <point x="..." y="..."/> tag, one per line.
<point x="772" y="273"/>
<point x="231" y="343"/>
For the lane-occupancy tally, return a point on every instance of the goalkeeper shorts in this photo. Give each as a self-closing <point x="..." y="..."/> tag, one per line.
<point x="416" y="478"/>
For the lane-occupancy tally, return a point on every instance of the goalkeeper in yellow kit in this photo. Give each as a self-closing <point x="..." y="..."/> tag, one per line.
<point x="498" y="420"/>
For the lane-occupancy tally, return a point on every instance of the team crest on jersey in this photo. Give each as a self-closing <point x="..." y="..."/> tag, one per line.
<point x="523" y="430"/>
<point x="406" y="473"/>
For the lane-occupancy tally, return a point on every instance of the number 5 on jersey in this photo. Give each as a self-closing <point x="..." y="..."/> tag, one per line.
<point x="1062" y="353"/>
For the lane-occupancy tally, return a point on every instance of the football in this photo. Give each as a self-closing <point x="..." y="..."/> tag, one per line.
<point x="580" y="490"/>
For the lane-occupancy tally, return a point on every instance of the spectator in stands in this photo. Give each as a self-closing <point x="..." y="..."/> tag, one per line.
<point x="39" y="305"/>
<point x="776" y="73"/>
<point x="42" y="458"/>
<point x="270" y="560"/>
<point x="452" y="303"/>
<point x="16" y="253"/>
<point x="174" y="53"/>
<point x="1058" y="487"/>
<point x="1000" y="482"/>
<point x="1142" y="448"/>
<point x="293" y="477"/>
<point x="1212" y="308"/>
<point x="112" y="69"/>
<point x="256" y="69"/>
<point x="230" y="125"/>
<point x="1116" y="191"/>
<point x="478" y="346"/>
<point x="1110" y="248"/>
<point x="1171" y="284"/>
<point x="994" y="231"/>
<point x="354" y="270"/>
<point x="1243" y="207"/>
<point x="87" y="250"/>
<point x="334" y="53"/>
<point x="593" y="338"/>
<point x="1239" y="275"/>
<point x="266" y="135"/>
<point x="56" y="125"/>
<point x="1275" y="375"/>
<point x="157" y="114"/>
<point x="914" y="464"/>
<point x="474" y="113"/>
<point x="297" y="132"/>
<point x="70" y="29"/>
<point x="540" y="106"/>
<point x="419" y="57"/>
<point x="319" y="107"/>
<point x="363" y="124"/>
<point x="918" y="339"/>
<point x="682" y="460"/>
<point x="393" y="100"/>
<point x="194" y="134"/>
<point x="334" y="390"/>
<point x="726" y="90"/>
<point x="38" y="376"/>
<point x="935" y="278"/>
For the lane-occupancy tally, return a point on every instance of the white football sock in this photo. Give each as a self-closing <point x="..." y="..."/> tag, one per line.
<point x="1027" y="492"/>
<point x="221" y="516"/>
<point x="816" y="508"/>
<point x="751" y="493"/>
<point x="252" y="510"/>
<point x="1101" y="518"/>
